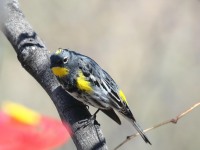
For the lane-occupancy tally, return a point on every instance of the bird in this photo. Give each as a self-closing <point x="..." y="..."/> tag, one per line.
<point x="87" y="82"/>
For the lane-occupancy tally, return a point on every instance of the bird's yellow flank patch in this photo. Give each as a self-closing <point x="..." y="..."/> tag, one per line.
<point x="60" y="71"/>
<point x="82" y="84"/>
<point x="122" y="96"/>
<point x="58" y="51"/>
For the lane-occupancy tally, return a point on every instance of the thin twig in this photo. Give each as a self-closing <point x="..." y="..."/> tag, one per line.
<point x="173" y="120"/>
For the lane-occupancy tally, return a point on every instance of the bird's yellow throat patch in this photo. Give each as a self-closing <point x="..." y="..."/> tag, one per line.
<point x="82" y="84"/>
<point x="60" y="71"/>
<point x="122" y="96"/>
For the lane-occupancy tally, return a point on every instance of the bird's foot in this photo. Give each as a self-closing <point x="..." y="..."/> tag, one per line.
<point x="91" y="120"/>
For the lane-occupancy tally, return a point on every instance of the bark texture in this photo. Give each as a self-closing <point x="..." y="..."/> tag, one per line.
<point x="34" y="57"/>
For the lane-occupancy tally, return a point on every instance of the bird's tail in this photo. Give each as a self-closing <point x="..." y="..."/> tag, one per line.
<point x="140" y="131"/>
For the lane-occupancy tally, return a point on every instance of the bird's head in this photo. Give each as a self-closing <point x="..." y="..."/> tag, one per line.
<point x="60" y="62"/>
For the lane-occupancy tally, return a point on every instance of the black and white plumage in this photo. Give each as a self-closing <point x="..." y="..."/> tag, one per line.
<point x="86" y="81"/>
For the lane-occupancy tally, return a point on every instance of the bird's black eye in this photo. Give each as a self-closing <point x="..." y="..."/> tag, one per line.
<point x="65" y="60"/>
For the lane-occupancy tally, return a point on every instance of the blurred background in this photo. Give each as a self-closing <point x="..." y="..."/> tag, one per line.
<point x="151" y="49"/>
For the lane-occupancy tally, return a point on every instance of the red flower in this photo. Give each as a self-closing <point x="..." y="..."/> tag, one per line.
<point x="48" y="133"/>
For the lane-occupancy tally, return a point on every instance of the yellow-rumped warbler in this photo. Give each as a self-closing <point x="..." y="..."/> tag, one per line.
<point x="86" y="81"/>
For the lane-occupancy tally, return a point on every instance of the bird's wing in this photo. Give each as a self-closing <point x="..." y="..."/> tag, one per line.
<point x="99" y="77"/>
<point x="96" y="75"/>
<point x="111" y="113"/>
<point x="113" y="89"/>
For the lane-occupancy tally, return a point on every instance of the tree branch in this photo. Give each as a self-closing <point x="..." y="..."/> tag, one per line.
<point x="173" y="120"/>
<point x="34" y="57"/>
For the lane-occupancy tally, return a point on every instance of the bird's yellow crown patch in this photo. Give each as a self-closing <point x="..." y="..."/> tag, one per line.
<point x="60" y="71"/>
<point x="82" y="84"/>
<point x="122" y="96"/>
<point x="58" y="51"/>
